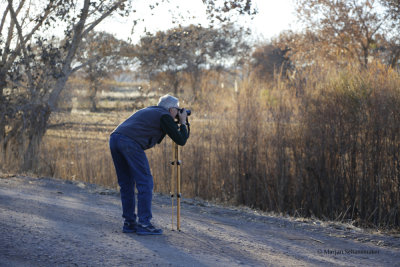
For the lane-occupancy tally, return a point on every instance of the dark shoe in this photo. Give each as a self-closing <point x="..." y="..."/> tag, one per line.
<point x="129" y="227"/>
<point x="148" y="229"/>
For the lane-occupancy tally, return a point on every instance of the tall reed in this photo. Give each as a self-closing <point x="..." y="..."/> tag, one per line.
<point x="326" y="144"/>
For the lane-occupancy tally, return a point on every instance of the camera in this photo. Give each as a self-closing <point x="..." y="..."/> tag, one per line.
<point x="180" y="110"/>
<point x="187" y="111"/>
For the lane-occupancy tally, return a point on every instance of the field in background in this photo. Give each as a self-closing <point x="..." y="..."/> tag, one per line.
<point x="76" y="147"/>
<point x="328" y="147"/>
<point x="110" y="96"/>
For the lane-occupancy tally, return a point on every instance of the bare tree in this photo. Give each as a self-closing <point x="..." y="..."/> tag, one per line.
<point x="393" y="8"/>
<point x="393" y="46"/>
<point x="189" y="50"/>
<point x="35" y="65"/>
<point x="349" y="28"/>
<point x="105" y="55"/>
<point x="267" y="60"/>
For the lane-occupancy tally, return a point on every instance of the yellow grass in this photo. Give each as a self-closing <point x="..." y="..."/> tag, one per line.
<point x="327" y="147"/>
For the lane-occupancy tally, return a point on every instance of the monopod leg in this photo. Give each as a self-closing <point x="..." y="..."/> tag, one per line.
<point x="176" y="178"/>
<point x="178" y="188"/>
<point x="172" y="192"/>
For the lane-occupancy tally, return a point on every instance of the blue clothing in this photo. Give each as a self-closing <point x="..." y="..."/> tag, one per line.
<point x="128" y="141"/>
<point x="132" y="169"/>
<point x="144" y="126"/>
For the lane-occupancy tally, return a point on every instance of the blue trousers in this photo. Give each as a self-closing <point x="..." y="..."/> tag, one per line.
<point x="132" y="168"/>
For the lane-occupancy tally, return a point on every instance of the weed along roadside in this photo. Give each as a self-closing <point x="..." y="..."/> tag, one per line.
<point x="295" y="144"/>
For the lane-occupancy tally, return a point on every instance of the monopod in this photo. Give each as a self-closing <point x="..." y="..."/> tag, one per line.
<point x="176" y="179"/>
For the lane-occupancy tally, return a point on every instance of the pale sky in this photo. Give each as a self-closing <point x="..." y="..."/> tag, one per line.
<point x="274" y="16"/>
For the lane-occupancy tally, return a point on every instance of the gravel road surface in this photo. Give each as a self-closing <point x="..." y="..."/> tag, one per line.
<point x="51" y="222"/>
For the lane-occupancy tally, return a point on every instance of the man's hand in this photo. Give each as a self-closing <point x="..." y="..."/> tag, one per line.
<point x="182" y="116"/>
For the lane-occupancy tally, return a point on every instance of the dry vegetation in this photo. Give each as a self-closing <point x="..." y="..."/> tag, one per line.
<point x="321" y="141"/>
<point x="327" y="147"/>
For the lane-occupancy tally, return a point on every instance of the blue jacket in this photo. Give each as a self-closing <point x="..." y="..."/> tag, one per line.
<point x="144" y="126"/>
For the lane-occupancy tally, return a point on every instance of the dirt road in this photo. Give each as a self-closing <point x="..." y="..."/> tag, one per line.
<point x="50" y="222"/>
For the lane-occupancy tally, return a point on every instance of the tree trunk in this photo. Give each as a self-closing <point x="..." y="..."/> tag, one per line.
<point x="55" y="94"/>
<point x="196" y="77"/>
<point x="395" y="58"/>
<point x="38" y="126"/>
<point x="2" y="116"/>
<point x="176" y="85"/>
<point x="93" y="88"/>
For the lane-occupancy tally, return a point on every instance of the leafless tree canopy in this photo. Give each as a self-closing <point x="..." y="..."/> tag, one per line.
<point x="349" y="28"/>
<point x="189" y="50"/>
<point x="35" y="64"/>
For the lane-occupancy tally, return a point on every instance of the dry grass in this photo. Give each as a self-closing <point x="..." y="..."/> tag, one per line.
<point x="326" y="144"/>
<point x="76" y="148"/>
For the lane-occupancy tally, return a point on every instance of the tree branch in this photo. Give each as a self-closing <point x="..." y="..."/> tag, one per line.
<point x="12" y="56"/>
<point x="106" y="14"/>
<point x="88" y="62"/>
<point x="3" y="19"/>
<point x="22" y="43"/>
